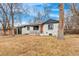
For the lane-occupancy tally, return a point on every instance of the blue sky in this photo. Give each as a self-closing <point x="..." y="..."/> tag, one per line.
<point x="53" y="7"/>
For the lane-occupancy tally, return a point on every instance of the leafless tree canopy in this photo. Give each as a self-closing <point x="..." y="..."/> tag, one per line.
<point x="72" y="19"/>
<point x="8" y="12"/>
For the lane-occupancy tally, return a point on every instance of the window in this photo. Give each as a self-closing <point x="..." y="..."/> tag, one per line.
<point x="35" y="27"/>
<point x="50" y="26"/>
<point x="28" y="28"/>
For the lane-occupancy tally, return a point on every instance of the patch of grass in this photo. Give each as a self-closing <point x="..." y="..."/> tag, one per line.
<point x="39" y="45"/>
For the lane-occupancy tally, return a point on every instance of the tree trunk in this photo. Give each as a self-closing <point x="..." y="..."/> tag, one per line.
<point x="8" y="28"/>
<point x="13" y="32"/>
<point x="61" y="22"/>
<point x="3" y="32"/>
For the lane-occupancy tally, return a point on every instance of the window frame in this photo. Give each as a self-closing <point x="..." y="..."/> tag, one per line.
<point x="28" y="28"/>
<point x="35" y="29"/>
<point x="50" y="26"/>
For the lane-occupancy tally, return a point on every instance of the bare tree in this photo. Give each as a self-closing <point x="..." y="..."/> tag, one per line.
<point x="11" y="7"/>
<point x="74" y="10"/>
<point x="10" y="10"/>
<point x="72" y="21"/>
<point x="46" y="11"/>
<point x="4" y="10"/>
<point x="38" y="18"/>
<point x="61" y="22"/>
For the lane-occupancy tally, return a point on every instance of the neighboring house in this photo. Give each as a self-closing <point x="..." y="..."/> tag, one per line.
<point x="49" y="27"/>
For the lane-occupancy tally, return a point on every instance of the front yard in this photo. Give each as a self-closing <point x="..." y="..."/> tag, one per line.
<point x="39" y="45"/>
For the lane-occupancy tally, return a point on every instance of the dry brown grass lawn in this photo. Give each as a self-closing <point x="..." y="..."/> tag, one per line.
<point x="39" y="45"/>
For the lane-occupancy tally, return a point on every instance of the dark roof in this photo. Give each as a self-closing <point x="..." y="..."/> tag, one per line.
<point x="46" y="22"/>
<point x="51" y="21"/>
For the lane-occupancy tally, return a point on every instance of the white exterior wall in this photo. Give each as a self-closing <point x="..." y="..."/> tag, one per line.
<point x="24" y="30"/>
<point x="30" y="31"/>
<point x="54" y="31"/>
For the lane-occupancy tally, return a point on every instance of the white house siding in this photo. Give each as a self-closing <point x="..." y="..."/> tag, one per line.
<point x="25" y="31"/>
<point x="54" y="31"/>
<point x="30" y="31"/>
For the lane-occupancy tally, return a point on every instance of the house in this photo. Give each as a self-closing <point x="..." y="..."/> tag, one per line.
<point x="49" y="27"/>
